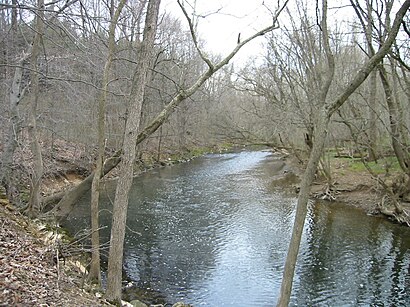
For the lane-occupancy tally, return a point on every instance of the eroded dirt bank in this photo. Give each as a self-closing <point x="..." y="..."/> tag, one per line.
<point x="352" y="187"/>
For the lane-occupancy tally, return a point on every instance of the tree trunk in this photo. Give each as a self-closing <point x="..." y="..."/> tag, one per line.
<point x="95" y="270"/>
<point x="129" y="150"/>
<point x="301" y="208"/>
<point x="372" y="146"/>
<point x="16" y="94"/>
<point x="318" y="142"/>
<point x="159" y="144"/>
<point x="14" y="14"/>
<point x="38" y="168"/>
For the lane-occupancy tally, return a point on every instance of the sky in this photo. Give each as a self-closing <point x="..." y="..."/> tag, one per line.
<point x="224" y="19"/>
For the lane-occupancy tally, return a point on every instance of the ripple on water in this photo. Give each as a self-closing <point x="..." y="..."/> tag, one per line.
<point x="214" y="233"/>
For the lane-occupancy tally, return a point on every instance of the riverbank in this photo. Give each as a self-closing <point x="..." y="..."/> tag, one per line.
<point x="66" y="169"/>
<point x="353" y="185"/>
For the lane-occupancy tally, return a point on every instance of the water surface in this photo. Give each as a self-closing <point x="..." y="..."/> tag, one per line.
<point x="215" y="231"/>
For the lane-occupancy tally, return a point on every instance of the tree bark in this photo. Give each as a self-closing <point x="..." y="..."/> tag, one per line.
<point x="320" y="135"/>
<point x="129" y="150"/>
<point x="14" y="14"/>
<point x="14" y="126"/>
<point x="301" y="209"/>
<point x="367" y="22"/>
<point x="373" y="135"/>
<point x="396" y="137"/>
<point x="38" y="168"/>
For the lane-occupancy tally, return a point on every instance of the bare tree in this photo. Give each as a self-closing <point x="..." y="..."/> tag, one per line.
<point x="68" y="201"/>
<point x="373" y="151"/>
<point x="324" y="115"/>
<point x="18" y="89"/>
<point x="128" y="154"/>
<point x="95" y="270"/>
<point x="26" y="52"/>
<point x="398" y="133"/>
<point x="38" y="168"/>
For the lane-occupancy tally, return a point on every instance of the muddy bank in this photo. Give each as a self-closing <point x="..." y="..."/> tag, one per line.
<point x="350" y="187"/>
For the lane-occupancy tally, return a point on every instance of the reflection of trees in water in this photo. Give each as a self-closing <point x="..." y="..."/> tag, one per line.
<point x="353" y="258"/>
<point x="311" y="272"/>
<point x="399" y="252"/>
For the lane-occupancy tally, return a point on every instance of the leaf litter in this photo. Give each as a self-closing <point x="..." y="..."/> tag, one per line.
<point x="30" y="272"/>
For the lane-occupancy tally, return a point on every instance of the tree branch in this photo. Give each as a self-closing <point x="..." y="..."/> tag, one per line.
<point x="371" y="63"/>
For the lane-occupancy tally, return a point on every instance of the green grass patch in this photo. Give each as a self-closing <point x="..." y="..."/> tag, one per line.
<point x="198" y="151"/>
<point x="383" y="165"/>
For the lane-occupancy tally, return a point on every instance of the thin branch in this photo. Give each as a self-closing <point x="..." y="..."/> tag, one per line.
<point x="48" y="77"/>
<point x="194" y="37"/>
<point x="250" y="38"/>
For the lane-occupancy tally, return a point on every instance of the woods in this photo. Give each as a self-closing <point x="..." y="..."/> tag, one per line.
<point x="101" y="88"/>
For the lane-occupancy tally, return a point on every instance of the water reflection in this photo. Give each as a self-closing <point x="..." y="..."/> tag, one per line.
<point x="353" y="260"/>
<point x="213" y="232"/>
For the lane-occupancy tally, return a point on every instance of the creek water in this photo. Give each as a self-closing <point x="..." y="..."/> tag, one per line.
<point x="215" y="232"/>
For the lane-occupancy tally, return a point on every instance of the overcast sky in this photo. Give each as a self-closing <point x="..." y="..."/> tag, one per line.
<point x="224" y="20"/>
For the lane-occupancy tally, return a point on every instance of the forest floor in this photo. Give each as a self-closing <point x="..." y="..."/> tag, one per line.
<point x="30" y="272"/>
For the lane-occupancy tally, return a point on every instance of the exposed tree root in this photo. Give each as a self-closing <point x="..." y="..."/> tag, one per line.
<point x="329" y="192"/>
<point x="392" y="208"/>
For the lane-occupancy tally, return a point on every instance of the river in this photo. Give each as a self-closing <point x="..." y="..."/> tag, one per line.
<point x="215" y="231"/>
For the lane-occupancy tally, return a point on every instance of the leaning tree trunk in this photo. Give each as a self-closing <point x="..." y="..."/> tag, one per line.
<point x="301" y="209"/>
<point x="114" y="277"/>
<point x="318" y="142"/>
<point x="322" y="124"/>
